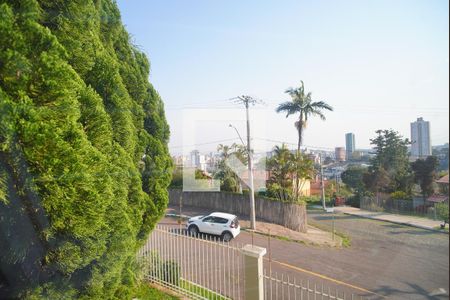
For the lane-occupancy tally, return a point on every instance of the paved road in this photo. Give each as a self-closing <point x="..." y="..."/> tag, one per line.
<point x="395" y="261"/>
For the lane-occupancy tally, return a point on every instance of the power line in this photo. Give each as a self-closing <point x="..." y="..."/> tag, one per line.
<point x="295" y="144"/>
<point x="206" y="143"/>
<point x="247" y="100"/>
<point x="219" y="104"/>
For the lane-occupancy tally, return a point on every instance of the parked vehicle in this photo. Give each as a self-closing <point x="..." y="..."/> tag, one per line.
<point x="221" y="224"/>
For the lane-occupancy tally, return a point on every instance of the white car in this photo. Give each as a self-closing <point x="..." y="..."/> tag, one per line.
<point x="222" y="224"/>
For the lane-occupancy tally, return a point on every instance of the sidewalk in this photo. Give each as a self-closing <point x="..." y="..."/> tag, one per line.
<point x="393" y="218"/>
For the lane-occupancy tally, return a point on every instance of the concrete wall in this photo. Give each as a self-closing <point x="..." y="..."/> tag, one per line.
<point x="292" y="216"/>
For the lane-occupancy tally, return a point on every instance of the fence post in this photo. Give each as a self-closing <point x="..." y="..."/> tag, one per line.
<point x="254" y="277"/>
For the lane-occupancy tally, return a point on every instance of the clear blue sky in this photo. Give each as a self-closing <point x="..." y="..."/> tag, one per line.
<point x="380" y="64"/>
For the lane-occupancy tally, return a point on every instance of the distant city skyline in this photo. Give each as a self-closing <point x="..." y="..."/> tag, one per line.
<point x="379" y="64"/>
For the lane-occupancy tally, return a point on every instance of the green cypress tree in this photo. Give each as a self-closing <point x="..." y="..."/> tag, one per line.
<point x="84" y="163"/>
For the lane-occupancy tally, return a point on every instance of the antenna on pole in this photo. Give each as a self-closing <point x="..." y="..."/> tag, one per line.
<point x="247" y="100"/>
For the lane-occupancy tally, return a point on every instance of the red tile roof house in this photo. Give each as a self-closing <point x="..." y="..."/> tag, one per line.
<point x="443" y="188"/>
<point x="441" y="195"/>
<point x="443" y="183"/>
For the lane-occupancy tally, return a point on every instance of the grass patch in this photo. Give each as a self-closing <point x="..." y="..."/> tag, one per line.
<point x="201" y="291"/>
<point x="279" y="237"/>
<point x="147" y="292"/>
<point x="346" y="240"/>
<point x="283" y="238"/>
<point x="441" y="229"/>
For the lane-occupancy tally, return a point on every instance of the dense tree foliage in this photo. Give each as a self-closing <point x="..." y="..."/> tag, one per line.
<point x="229" y="181"/>
<point x="353" y="177"/>
<point x="84" y="163"/>
<point x="442" y="155"/>
<point x="288" y="174"/>
<point x="425" y="174"/>
<point x="390" y="169"/>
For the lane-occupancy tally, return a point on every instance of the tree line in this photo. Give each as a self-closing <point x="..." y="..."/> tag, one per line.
<point x="391" y="171"/>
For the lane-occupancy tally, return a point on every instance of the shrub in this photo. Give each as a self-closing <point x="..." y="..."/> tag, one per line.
<point x="165" y="270"/>
<point x="442" y="211"/>
<point x="353" y="201"/>
<point x="400" y="195"/>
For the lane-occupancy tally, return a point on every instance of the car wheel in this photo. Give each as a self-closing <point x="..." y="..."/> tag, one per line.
<point x="193" y="230"/>
<point x="226" y="236"/>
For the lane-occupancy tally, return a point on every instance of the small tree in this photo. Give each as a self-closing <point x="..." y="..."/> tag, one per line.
<point x="391" y="159"/>
<point x="425" y="174"/>
<point x="288" y="173"/>
<point x="229" y="181"/>
<point x="353" y="178"/>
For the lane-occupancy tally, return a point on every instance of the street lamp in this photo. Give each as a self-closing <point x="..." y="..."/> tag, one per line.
<point x="238" y="135"/>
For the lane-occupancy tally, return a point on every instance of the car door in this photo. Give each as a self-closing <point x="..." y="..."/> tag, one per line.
<point x="220" y="224"/>
<point x="207" y="225"/>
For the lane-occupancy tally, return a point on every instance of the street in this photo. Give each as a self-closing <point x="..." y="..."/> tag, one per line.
<point x="384" y="259"/>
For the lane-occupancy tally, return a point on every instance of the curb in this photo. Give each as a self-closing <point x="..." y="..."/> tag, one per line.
<point x="396" y="222"/>
<point x="178" y="216"/>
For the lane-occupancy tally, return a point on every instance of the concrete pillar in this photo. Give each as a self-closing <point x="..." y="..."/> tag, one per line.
<point x="254" y="277"/>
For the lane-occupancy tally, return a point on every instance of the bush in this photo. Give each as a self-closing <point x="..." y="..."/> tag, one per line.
<point x="165" y="270"/>
<point x="170" y="272"/>
<point x="144" y="291"/>
<point x="353" y="201"/>
<point x="400" y="195"/>
<point x="442" y="211"/>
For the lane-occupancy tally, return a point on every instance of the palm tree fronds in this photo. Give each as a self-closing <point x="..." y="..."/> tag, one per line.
<point x="304" y="106"/>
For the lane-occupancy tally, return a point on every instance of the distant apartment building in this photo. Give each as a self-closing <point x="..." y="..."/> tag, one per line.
<point x="315" y="157"/>
<point x="339" y="153"/>
<point x="349" y="145"/>
<point x="420" y="139"/>
<point x="194" y="159"/>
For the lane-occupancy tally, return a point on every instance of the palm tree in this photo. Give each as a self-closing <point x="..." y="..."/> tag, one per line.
<point x="302" y="104"/>
<point x="229" y="180"/>
<point x="288" y="172"/>
<point x="224" y="151"/>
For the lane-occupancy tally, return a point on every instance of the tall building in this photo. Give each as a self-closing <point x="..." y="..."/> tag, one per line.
<point x="420" y="139"/>
<point x="195" y="159"/>
<point x="339" y="153"/>
<point x="349" y="145"/>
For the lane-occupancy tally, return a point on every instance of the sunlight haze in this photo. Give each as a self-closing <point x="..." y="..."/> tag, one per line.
<point x="380" y="64"/>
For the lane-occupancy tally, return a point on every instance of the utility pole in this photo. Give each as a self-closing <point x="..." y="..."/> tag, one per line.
<point x="321" y="182"/>
<point x="247" y="100"/>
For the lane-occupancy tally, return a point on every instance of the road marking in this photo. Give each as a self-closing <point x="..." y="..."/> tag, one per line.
<point x="326" y="278"/>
